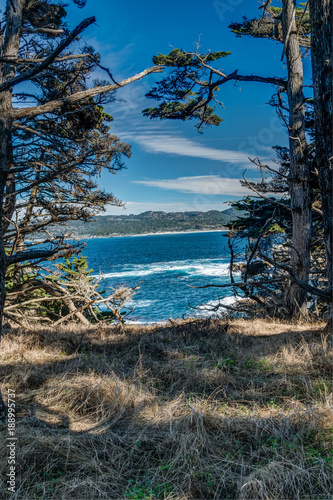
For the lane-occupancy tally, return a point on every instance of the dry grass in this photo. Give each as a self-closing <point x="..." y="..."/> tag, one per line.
<point x="191" y="410"/>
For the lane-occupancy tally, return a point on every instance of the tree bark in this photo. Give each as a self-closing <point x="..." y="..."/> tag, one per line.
<point x="321" y="54"/>
<point x="299" y="188"/>
<point x="11" y="42"/>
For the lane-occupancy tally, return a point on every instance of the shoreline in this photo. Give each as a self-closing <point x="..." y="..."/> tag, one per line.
<point x="87" y="237"/>
<point x="152" y="234"/>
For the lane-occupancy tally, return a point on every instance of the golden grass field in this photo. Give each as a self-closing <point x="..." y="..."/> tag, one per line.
<point x="197" y="409"/>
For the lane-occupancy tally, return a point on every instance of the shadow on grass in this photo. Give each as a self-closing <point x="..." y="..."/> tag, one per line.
<point x="187" y="411"/>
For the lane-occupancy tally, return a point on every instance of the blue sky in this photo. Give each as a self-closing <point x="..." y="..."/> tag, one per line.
<point x="173" y="168"/>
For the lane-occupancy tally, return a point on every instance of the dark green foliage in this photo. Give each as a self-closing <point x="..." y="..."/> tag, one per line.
<point x="152" y="222"/>
<point x="183" y="98"/>
<point x="255" y="213"/>
<point x="258" y="28"/>
<point x="74" y="275"/>
<point x="269" y="25"/>
<point x="75" y="267"/>
<point x="23" y="287"/>
<point x="180" y="58"/>
<point x="41" y="13"/>
<point x="184" y="112"/>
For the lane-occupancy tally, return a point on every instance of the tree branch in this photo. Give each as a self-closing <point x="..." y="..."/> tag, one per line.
<point x="35" y="60"/>
<point x="248" y="78"/>
<point x="249" y="185"/>
<point x="78" y="96"/>
<point x="309" y="288"/>
<point x="34" y="255"/>
<point x="50" y="59"/>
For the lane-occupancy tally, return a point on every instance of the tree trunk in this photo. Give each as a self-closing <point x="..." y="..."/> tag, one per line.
<point x="321" y="55"/>
<point x="299" y="188"/>
<point x="10" y="48"/>
<point x="5" y="160"/>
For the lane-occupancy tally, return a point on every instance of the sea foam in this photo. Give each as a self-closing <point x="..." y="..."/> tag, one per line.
<point x="199" y="267"/>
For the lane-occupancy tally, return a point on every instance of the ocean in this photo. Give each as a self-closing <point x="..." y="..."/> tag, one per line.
<point x="167" y="266"/>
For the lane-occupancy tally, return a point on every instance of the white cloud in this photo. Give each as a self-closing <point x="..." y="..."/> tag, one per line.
<point x="208" y="185"/>
<point x="134" y="207"/>
<point x="181" y="146"/>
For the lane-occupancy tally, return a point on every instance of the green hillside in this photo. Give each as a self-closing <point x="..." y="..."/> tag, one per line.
<point x="151" y="222"/>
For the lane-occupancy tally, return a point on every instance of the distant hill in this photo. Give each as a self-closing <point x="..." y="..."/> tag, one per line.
<point x="151" y="222"/>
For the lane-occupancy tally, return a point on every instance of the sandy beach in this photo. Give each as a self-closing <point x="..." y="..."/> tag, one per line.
<point x="154" y="234"/>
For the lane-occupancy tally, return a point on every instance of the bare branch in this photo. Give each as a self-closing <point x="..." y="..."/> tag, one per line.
<point x="107" y="71"/>
<point x="34" y="254"/>
<point x="309" y="288"/>
<point x="249" y="78"/>
<point x="78" y="96"/>
<point x="35" y="60"/>
<point x="249" y="185"/>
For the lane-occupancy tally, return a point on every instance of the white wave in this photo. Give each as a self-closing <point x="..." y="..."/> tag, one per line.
<point x="140" y="303"/>
<point x="213" y="270"/>
<point x="208" y="309"/>
<point x="228" y="301"/>
<point x="145" y="303"/>
<point x="198" y="267"/>
<point x="137" y="322"/>
<point x="127" y="274"/>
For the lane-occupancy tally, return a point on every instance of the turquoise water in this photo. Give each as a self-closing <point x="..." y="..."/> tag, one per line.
<point x="166" y="265"/>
